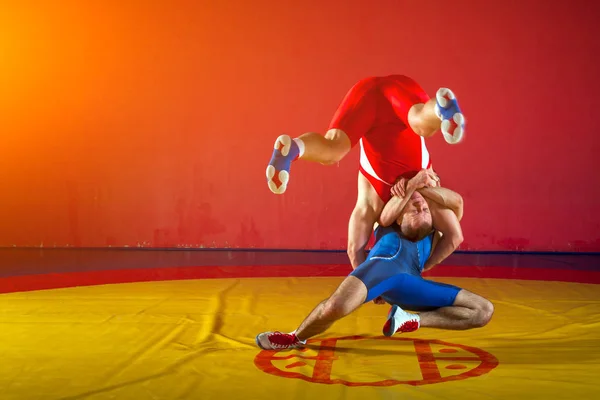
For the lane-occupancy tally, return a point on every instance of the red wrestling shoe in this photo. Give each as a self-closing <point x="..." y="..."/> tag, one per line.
<point x="400" y="321"/>
<point x="278" y="341"/>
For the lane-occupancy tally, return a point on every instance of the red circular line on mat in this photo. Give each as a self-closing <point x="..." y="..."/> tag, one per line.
<point x="427" y="362"/>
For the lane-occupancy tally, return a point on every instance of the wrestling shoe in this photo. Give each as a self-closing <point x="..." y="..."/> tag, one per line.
<point x="400" y="321"/>
<point x="278" y="341"/>
<point x="447" y="110"/>
<point x="285" y="151"/>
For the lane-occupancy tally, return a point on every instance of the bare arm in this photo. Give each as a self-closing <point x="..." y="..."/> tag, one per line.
<point x="360" y="229"/>
<point x="445" y="198"/>
<point x="393" y="209"/>
<point x="445" y="221"/>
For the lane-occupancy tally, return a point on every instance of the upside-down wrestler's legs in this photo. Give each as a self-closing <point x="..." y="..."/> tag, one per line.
<point x="352" y="120"/>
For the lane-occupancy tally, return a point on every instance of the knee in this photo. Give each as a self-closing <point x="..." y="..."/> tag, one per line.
<point x="336" y="154"/>
<point x="333" y="309"/>
<point x="485" y="310"/>
<point x="339" y="145"/>
<point x="418" y="121"/>
<point x="334" y="158"/>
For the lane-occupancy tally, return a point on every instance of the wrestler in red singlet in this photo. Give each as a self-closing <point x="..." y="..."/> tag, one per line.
<point x="375" y="114"/>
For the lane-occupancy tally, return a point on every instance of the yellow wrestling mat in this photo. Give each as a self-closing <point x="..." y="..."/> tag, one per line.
<point x="195" y="340"/>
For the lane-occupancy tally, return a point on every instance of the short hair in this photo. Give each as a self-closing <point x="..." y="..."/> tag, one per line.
<point x="420" y="233"/>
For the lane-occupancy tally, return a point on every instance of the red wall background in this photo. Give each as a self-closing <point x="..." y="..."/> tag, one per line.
<point x="143" y="124"/>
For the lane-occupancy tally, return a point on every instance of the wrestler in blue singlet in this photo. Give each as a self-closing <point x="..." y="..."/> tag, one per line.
<point x="393" y="271"/>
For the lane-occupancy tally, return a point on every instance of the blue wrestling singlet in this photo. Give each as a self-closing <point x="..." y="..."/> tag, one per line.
<point x="393" y="271"/>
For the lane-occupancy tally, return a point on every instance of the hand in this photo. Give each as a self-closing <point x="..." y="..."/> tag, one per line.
<point x="399" y="189"/>
<point x="379" y="300"/>
<point x="425" y="178"/>
<point x="434" y="176"/>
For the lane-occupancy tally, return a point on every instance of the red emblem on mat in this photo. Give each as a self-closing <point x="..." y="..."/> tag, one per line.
<point x="377" y="361"/>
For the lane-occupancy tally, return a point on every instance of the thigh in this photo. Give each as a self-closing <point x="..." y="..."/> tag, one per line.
<point x="373" y="273"/>
<point x="339" y="140"/>
<point x="470" y="300"/>
<point x="356" y="114"/>
<point x="402" y="92"/>
<point x="349" y="295"/>
<point x="417" y="294"/>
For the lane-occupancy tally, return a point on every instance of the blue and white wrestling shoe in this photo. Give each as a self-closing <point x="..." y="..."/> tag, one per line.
<point x="285" y="151"/>
<point x="453" y="122"/>
<point x="400" y="321"/>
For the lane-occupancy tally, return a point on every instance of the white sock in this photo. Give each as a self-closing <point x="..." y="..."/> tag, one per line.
<point x="301" y="146"/>
<point x="437" y="112"/>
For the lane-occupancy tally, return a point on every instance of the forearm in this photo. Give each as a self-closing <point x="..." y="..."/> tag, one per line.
<point x="393" y="208"/>
<point x="360" y="230"/>
<point x="446" y="246"/>
<point x="445" y="198"/>
<point x="357" y="257"/>
<point x="445" y="222"/>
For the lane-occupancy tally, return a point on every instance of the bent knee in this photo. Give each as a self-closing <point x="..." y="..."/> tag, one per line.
<point x="485" y="311"/>
<point x="418" y="121"/>
<point x="336" y="153"/>
<point x="339" y="145"/>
